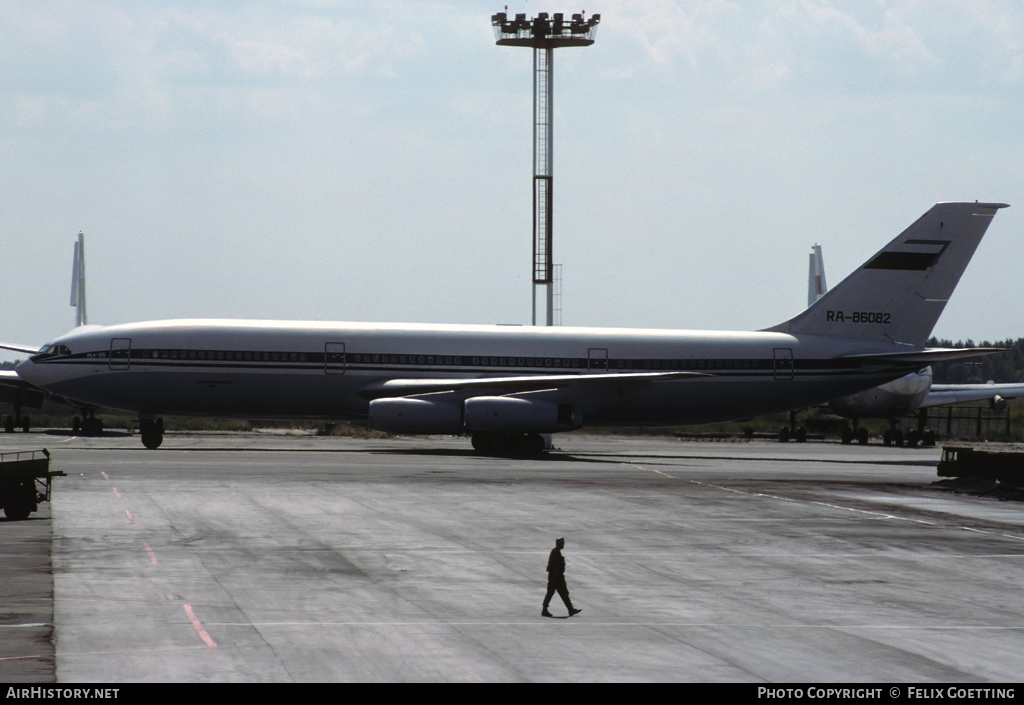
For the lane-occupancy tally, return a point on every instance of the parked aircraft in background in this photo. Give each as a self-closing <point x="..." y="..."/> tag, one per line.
<point x="894" y="400"/>
<point x="507" y="385"/>
<point x="18" y="392"/>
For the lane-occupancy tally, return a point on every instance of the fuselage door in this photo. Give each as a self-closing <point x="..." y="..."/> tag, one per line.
<point x="783" y="363"/>
<point x="334" y="358"/>
<point x="120" y="353"/>
<point x="597" y="360"/>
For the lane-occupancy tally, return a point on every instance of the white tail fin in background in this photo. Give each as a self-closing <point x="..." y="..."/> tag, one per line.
<point x="816" y="287"/>
<point x="78" y="282"/>
<point x="898" y="294"/>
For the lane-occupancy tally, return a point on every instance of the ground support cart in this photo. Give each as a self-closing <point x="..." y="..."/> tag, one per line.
<point x="25" y="479"/>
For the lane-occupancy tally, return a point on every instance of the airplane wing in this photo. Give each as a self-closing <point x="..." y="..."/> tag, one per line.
<point x="943" y="394"/>
<point x="579" y="387"/>
<point x="15" y="390"/>
<point x="27" y="349"/>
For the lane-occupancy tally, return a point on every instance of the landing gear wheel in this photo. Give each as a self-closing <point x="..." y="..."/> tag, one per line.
<point x="20" y="500"/>
<point x="91" y="426"/>
<point x="152" y="432"/>
<point x="13" y="422"/>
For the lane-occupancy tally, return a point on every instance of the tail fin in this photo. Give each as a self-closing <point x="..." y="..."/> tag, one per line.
<point x="816" y="287"/>
<point x="898" y="295"/>
<point x="78" y="282"/>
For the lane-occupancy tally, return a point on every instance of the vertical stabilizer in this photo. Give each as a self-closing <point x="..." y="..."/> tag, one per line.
<point x="78" y="282"/>
<point x="816" y="276"/>
<point x="898" y="294"/>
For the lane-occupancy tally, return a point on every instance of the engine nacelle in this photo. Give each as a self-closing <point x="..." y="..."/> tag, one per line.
<point x="515" y="415"/>
<point x="415" y="416"/>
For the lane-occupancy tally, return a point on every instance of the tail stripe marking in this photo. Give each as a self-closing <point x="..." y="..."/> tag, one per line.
<point x="909" y="261"/>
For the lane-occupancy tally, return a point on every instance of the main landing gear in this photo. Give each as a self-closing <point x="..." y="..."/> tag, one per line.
<point x="849" y="434"/>
<point x="87" y="425"/>
<point x="913" y="437"/>
<point x="18" y="399"/>
<point x="17" y="421"/>
<point x="152" y="432"/>
<point x="792" y="431"/>
<point x="894" y="435"/>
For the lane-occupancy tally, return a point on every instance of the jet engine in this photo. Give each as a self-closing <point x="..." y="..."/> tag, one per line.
<point x="516" y="415"/>
<point x="415" y="416"/>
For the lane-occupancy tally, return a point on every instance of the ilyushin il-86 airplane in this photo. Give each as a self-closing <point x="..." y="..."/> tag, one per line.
<point x="508" y="386"/>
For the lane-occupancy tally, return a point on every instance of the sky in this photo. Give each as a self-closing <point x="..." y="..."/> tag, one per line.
<point x="372" y="161"/>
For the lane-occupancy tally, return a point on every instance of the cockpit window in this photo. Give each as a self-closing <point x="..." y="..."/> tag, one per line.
<point x="51" y="350"/>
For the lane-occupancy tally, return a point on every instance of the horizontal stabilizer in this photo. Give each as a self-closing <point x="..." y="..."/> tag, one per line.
<point x="943" y="394"/>
<point x="926" y="356"/>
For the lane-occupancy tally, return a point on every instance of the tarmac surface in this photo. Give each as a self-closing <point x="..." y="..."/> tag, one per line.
<point x="272" y="558"/>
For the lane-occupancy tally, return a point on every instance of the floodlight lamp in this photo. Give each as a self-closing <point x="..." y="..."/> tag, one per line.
<point x="544" y="31"/>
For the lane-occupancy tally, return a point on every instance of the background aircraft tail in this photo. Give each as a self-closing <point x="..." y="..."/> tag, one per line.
<point x="78" y="282"/>
<point x="899" y="293"/>
<point x="816" y="287"/>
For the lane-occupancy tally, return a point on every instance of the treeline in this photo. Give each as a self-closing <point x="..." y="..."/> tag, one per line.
<point x="1001" y="367"/>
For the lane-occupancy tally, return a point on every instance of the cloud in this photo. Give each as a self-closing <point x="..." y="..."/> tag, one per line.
<point x="149" y="65"/>
<point x="395" y="137"/>
<point x="800" y="45"/>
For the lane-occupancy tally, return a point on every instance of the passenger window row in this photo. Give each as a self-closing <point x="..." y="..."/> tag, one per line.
<point x="226" y="355"/>
<point x="448" y="360"/>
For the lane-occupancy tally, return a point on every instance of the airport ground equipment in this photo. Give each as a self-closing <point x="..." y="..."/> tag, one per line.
<point x="1004" y="464"/>
<point x="25" y="481"/>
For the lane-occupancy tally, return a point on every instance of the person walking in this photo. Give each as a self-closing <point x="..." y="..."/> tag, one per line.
<point x="556" y="580"/>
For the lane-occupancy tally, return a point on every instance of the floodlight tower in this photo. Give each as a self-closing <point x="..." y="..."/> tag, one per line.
<point x="545" y="35"/>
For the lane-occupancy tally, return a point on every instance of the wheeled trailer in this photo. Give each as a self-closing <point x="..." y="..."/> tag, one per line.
<point x="1004" y="464"/>
<point x="25" y="481"/>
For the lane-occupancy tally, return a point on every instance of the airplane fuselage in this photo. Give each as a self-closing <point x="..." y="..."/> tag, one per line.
<point x="272" y="369"/>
